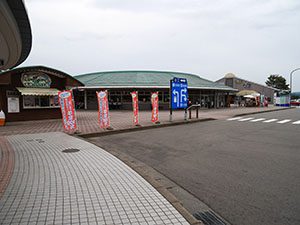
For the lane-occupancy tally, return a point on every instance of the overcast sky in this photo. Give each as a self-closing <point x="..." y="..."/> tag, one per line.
<point x="250" y="38"/>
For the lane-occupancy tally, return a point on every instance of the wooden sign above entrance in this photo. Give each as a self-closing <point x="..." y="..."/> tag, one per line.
<point x="36" y="79"/>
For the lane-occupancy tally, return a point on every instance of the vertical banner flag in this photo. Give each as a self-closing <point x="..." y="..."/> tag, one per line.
<point x="135" y="106"/>
<point x="103" y="109"/>
<point x="154" y="102"/>
<point x="67" y="110"/>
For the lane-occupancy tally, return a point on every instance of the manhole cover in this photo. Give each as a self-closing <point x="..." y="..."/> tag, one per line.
<point x="70" y="150"/>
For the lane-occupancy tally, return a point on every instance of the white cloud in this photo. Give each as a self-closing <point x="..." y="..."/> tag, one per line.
<point x="250" y="38"/>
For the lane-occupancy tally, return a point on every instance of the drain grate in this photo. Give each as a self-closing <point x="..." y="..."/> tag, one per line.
<point x="209" y="218"/>
<point x="70" y="150"/>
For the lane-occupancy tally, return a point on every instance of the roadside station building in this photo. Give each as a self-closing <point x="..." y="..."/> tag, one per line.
<point x="120" y="83"/>
<point x="247" y="87"/>
<point x="31" y="93"/>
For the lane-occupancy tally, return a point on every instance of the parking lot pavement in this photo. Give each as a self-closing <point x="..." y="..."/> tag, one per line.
<point x="59" y="179"/>
<point x="246" y="171"/>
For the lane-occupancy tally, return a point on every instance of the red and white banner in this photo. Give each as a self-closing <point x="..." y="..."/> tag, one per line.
<point x="135" y="106"/>
<point x="67" y="110"/>
<point x="103" y="109"/>
<point x="154" y="102"/>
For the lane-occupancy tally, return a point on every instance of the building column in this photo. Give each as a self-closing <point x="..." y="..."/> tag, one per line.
<point x="228" y="100"/>
<point x="215" y="103"/>
<point x="85" y="99"/>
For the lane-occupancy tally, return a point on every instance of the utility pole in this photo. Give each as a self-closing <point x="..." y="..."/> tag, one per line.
<point x="291" y="83"/>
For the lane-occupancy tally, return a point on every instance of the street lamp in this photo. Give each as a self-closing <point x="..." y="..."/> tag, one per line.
<point x="292" y="83"/>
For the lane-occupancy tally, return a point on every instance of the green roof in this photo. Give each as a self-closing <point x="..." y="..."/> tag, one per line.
<point x="145" y="79"/>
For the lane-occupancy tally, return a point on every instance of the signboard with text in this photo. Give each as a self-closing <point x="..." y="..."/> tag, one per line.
<point x="179" y="93"/>
<point x="154" y="102"/>
<point x="67" y="110"/>
<point x="13" y="105"/>
<point x="135" y="106"/>
<point x="103" y="109"/>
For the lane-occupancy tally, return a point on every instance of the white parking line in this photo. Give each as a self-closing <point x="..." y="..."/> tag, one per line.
<point x="256" y="120"/>
<point x="235" y="118"/>
<point x="246" y="119"/>
<point x="297" y="122"/>
<point x="283" y="121"/>
<point x="270" y="121"/>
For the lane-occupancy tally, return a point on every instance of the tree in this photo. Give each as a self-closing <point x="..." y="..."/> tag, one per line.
<point x="277" y="81"/>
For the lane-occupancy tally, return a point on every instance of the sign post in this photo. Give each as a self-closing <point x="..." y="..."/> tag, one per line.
<point x="178" y="94"/>
<point x="170" y="101"/>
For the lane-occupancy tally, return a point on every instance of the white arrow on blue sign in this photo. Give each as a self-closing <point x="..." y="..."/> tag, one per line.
<point x="179" y="93"/>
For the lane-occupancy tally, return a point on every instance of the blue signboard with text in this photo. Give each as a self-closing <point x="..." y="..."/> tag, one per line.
<point x="179" y="93"/>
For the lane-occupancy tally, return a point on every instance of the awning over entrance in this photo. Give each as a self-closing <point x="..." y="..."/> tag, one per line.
<point x="38" y="91"/>
<point x="246" y="92"/>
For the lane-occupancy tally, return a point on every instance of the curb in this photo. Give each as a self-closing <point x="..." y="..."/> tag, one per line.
<point x="142" y="170"/>
<point x="132" y="129"/>
<point x="273" y="110"/>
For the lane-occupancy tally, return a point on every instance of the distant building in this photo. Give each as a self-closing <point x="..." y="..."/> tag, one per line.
<point x="120" y="83"/>
<point x="246" y="86"/>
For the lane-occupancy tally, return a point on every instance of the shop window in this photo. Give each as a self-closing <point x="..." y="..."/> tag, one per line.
<point x="127" y="98"/>
<point x="144" y="98"/>
<point x="32" y="101"/>
<point x="54" y="101"/>
<point x="29" y="101"/>
<point x="44" y="100"/>
<point x="166" y="96"/>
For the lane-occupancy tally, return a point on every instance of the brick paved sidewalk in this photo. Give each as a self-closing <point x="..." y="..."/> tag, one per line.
<point x="89" y="186"/>
<point x="6" y="163"/>
<point x="88" y="120"/>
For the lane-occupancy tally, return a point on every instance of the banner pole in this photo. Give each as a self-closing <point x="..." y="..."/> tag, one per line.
<point x="170" y="101"/>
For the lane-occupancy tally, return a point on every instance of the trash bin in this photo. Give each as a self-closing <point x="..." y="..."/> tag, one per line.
<point x="2" y="118"/>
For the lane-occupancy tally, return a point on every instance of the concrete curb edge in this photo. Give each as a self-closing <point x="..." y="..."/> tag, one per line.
<point x="250" y="113"/>
<point x="132" y="129"/>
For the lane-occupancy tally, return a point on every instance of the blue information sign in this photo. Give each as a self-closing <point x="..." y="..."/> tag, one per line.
<point x="179" y="93"/>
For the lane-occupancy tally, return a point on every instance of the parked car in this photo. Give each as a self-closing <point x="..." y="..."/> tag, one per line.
<point x="295" y="102"/>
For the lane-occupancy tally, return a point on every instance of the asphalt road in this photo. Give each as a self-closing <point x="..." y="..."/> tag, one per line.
<point x="248" y="172"/>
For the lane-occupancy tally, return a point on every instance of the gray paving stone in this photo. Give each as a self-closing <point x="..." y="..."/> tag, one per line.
<point x="89" y="186"/>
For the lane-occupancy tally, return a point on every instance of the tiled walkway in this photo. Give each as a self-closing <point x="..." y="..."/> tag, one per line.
<point x="88" y="120"/>
<point x="6" y="164"/>
<point x="89" y="186"/>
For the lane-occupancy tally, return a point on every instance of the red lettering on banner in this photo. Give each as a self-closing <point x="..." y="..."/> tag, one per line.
<point x="67" y="110"/>
<point x="135" y="106"/>
<point x="154" y="102"/>
<point x="103" y="109"/>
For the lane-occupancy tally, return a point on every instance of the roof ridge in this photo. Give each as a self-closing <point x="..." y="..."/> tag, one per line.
<point x="137" y="71"/>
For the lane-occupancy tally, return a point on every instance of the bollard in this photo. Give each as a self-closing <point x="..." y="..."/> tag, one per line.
<point x="197" y="112"/>
<point x="190" y="113"/>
